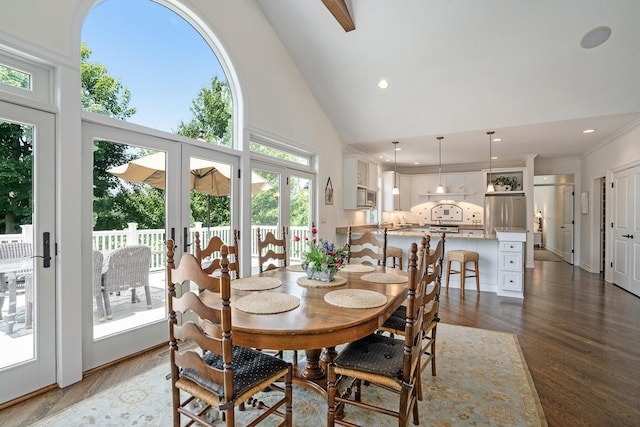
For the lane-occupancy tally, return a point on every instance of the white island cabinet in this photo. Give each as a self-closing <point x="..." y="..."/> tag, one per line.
<point x="511" y="261"/>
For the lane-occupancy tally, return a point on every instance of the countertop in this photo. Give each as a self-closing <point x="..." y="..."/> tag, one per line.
<point x="418" y="231"/>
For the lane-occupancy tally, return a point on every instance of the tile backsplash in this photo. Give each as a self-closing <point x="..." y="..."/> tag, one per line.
<point x="421" y="214"/>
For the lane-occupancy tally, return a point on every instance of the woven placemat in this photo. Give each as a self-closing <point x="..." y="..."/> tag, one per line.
<point x="384" y="278"/>
<point x="255" y="283"/>
<point x="267" y="303"/>
<point x="310" y="283"/>
<point x="355" y="298"/>
<point x="357" y="268"/>
<point x="296" y="267"/>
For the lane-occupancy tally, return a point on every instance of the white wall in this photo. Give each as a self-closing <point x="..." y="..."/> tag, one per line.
<point x="620" y="152"/>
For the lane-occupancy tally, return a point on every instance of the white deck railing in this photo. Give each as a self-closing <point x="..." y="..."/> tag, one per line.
<point x="155" y="239"/>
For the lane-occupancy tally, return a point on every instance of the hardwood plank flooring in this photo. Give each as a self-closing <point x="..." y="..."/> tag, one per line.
<point x="579" y="336"/>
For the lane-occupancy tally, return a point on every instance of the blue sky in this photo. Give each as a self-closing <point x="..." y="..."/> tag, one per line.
<point x="155" y="53"/>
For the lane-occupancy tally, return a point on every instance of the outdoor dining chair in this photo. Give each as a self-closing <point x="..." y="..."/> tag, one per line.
<point x="127" y="269"/>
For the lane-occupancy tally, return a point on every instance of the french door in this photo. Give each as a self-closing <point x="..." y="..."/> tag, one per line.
<point x="27" y="251"/>
<point x="285" y="201"/>
<point x="160" y="188"/>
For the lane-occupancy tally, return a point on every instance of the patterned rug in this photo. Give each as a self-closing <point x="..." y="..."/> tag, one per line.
<point x="482" y="380"/>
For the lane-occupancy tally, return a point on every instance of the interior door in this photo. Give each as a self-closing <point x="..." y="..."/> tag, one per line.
<point x="27" y="246"/>
<point x="626" y="230"/>
<point x="567" y="225"/>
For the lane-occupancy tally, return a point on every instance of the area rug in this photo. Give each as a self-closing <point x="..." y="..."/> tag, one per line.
<point x="545" y="255"/>
<point x="482" y="379"/>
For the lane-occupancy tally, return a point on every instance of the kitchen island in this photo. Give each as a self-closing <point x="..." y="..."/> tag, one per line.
<point x="465" y="239"/>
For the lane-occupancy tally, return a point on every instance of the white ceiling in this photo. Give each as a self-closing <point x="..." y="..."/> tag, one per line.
<point x="457" y="68"/>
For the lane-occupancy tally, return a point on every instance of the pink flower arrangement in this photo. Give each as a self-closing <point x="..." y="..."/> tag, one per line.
<point x="322" y="256"/>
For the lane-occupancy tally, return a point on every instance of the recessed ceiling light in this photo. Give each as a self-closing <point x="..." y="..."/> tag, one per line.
<point x="398" y="149"/>
<point x="383" y="84"/>
<point x="494" y="158"/>
<point x="416" y="163"/>
<point x="595" y="37"/>
<point x="497" y="139"/>
<point x="588" y="131"/>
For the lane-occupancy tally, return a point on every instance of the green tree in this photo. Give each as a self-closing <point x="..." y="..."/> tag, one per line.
<point x="102" y="93"/>
<point x="212" y="115"/>
<point x="211" y="121"/>
<point x="16" y="145"/>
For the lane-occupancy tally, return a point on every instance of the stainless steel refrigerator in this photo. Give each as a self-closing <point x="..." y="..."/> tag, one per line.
<point x="504" y="210"/>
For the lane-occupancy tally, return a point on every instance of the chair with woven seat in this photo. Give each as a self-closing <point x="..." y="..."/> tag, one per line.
<point x="382" y="361"/>
<point x="216" y="372"/>
<point x="127" y="268"/>
<point x="462" y="257"/>
<point x="395" y="253"/>
<point x="431" y="261"/>
<point x="367" y="248"/>
<point x="272" y="252"/>
<point x="210" y="255"/>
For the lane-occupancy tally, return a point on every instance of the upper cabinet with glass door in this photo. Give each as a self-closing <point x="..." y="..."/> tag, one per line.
<point x="360" y="177"/>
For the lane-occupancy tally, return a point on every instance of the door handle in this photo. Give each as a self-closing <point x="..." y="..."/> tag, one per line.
<point x="185" y="239"/>
<point x="46" y="250"/>
<point x="629" y="236"/>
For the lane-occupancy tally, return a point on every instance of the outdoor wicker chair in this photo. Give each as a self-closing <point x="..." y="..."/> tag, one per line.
<point x="23" y="278"/>
<point x="127" y="269"/>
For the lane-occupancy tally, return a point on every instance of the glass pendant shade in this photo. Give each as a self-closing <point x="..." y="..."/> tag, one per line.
<point x="440" y="189"/>
<point x="395" y="190"/>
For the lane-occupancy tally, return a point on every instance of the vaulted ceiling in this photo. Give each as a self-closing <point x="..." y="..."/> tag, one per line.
<point x="457" y="68"/>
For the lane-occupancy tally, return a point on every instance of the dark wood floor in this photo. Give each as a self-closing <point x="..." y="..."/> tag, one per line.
<point x="580" y="338"/>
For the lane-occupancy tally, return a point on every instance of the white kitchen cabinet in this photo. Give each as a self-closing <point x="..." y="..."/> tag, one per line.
<point x="372" y="181"/>
<point x="511" y="263"/>
<point x="355" y="176"/>
<point x="506" y="180"/>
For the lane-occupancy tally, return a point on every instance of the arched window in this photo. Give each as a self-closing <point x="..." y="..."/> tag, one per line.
<point x="144" y="63"/>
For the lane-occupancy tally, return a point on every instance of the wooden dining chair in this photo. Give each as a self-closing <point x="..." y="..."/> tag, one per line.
<point x="432" y="263"/>
<point x="368" y="248"/>
<point x="216" y="372"/>
<point x="210" y="255"/>
<point x="380" y="360"/>
<point x="272" y="252"/>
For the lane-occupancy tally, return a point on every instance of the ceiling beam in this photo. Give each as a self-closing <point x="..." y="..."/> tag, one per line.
<point x="338" y="9"/>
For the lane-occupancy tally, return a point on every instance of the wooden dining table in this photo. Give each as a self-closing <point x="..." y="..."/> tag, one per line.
<point x="315" y="326"/>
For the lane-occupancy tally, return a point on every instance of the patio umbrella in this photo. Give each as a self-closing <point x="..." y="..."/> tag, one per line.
<point x="208" y="177"/>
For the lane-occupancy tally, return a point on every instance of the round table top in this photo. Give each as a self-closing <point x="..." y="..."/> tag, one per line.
<point x="314" y="323"/>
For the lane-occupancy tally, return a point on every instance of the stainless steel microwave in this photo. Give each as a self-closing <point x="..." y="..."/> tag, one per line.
<point x="366" y="198"/>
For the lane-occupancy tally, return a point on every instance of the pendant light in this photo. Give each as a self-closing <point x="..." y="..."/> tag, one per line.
<point x="395" y="168"/>
<point x="490" y="188"/>
<point x="440" y="189"/>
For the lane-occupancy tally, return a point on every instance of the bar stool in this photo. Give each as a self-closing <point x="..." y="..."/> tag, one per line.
<point x="395" y="254"/>
<point x="463" y="257"/>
